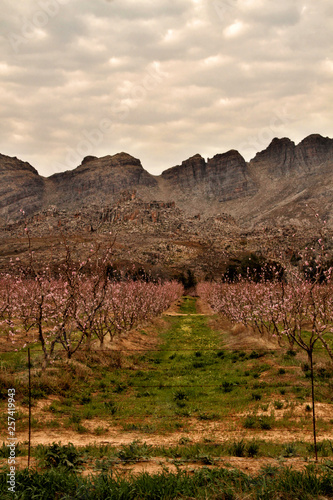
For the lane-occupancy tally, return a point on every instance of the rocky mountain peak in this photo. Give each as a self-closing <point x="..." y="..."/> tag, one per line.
<point x="12" y="163"/>
<point x="225" y="159"/>
<point x="188" y="174"/>
<point x="20" y="187"/>
<point x="118" y="160"/>
<point x="88" y="159"/>
<point x="125" y="159"/>
<point x="228" y="176"/>
<point x="314" y="150"/>
<point x="277" y="159"/>
<point x="282" y="157"/>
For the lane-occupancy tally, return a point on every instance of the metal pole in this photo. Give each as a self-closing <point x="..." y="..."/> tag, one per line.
<point x="313" y="411"/>
<point x="29" y="445"/>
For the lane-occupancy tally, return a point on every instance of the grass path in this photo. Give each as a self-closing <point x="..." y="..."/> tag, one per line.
<point x="183" y="377"/>
<point x="193" y="378"/>
<point x="188" y="382"/>
<point x="186" y="401"/>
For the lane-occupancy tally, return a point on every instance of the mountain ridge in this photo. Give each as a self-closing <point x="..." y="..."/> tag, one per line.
<point x="276" y="183"/>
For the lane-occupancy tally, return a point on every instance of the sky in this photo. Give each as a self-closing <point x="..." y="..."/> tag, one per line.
<point x="161" y="79"/>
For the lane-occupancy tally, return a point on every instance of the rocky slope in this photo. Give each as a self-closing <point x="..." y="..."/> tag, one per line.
<point x="223" y="177"/>
<point x="20" y="187"/>
<point x="98" y="180"/>
<point x="289" y="177"/>
<point x="272" y="188"/>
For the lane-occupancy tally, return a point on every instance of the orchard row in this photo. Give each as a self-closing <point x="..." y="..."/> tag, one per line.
<point x="75" y="311"/>
<point x="298" y="310"/>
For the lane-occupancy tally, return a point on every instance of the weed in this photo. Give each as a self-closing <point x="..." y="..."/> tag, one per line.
<point x="250" y="422"/>
<point x="322" y="448"/>
<point x="120" y="388"/>
<point x="290" y="450"/>
<point x="205" y="459"/>
<point x="215" y="483"/>
<point x="198" y="364"/>
<point x="88" y="414"/>
<point x="180" y="395"/>
<point x="278" y="405"/>
<point x="65" y="456"/>
<point x="4" y="450"/>
<point x="254" y="355"/>
<point x="184" y="440"/>
<point x="253" y="449"/>
<point x="53" y="424"/>
<point x="110" y="406"/>
<point x="81" y="429"/>
<point x="237" y="449"/>
<point x="207" y="416"/>
<point x="135" y="451"/>
<point x="100" y="430"/>
<point x="53" y="407"/>
<point x="227" y="386"/>
<point x="265" y="423"/>
<point x="85" y="399"/>
<point x="75" y="419"/>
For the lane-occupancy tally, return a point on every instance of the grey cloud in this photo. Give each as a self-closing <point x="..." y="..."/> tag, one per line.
<point x="212" y="92"/>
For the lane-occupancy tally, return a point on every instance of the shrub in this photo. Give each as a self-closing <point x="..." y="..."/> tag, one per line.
<point x="135" y="451"/>
<point x="62" y="456"/>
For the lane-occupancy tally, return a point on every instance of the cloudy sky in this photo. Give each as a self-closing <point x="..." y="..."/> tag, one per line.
<point x="161" y="79"/>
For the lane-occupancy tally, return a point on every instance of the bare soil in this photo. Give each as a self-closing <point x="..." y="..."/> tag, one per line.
<point x="157" y="465"/>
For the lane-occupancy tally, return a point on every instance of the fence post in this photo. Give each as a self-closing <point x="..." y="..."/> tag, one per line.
<point x="29" y="443"/>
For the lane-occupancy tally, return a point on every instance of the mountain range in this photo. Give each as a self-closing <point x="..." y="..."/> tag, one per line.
<point x="274" y="187"/>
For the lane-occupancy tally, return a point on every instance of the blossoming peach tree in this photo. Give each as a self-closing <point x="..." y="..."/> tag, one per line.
<point x="75" y="303"/>
<point x="297" y="307"/>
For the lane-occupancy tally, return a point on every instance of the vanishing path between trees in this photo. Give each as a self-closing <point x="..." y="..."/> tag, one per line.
<point x="187" y="386"/>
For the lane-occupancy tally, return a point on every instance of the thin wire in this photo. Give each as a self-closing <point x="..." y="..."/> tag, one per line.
<point x="260" y="350"/>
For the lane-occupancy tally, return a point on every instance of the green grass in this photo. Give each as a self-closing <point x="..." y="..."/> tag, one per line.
<point x="190" y="375"/>
<point x="272" y="483"/>
<point x="185" y="450"/>
<point x="188" y="306"/>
